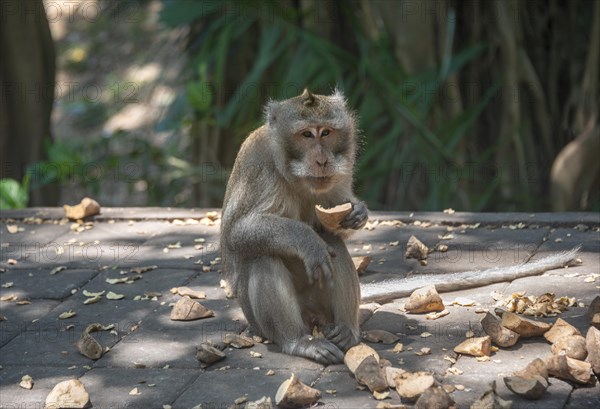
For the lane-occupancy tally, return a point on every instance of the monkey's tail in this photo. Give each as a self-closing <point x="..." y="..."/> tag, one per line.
<point x="402" y="287"/>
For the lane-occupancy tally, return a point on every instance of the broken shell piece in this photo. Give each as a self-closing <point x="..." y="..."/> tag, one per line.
<point x="331" y="218"/>
<point x="369" y="373"/>
<point x="416" y="249"/>
<point x="208" y="355"/>
<point x="573" y="347"/>
<point x="523" y="326"/>
<point x="361" y="263"/>
<point x="263" y="403"/>
<point x="560" y="329"/>
<point x="594" y="312"/>
<point x="481" y="346"/>
<point x="592" y="342"/>
<point x="89" y="347"/>
<point x="499" y="335"/>
<point x="68" y="394"/>
<point x="410" y="385"/>
<point x="391" y="373"/>
<point x="187" y="309"/>
<point x="238" y="341"/>
<point x="434" y="397"/>
<point x="530" y="388"/>
<point x="293" y="394"/>
<point x="561" y="366"/>
<point x="355" y="355"/>
<point x="537" y="367"/>
<point x="26" y="382"/>
<point x="491" y="400"/>
<point x="425" y="299"/>
<point x="87" y="207"/>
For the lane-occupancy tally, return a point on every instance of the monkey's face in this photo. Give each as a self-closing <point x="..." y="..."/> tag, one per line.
<point x="316" y="135"/>
<point x="317" y="155"/>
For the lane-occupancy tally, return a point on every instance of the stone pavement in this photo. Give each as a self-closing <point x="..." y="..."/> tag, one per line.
<point x="150" y="352"/>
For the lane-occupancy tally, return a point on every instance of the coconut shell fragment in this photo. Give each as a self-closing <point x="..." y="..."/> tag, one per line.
<point x="361" y="263"/>
<point x="523" y="326"/>
<point x="594" y="312"/>
<point x="425" y="299"/>
<point x="68" y="394"/>
<point x="573" y="346"/>
<point x="480" y="346"/>
<point x="331" y="218"/>
<point x="294" y="394"/>
<point x="355" y="355"/>
<point x="238" y="341"/>
<point x="87" y="207"/>
<point x="491" y="400"/>
<point x="208" y="355"/>
<point x="503" y="337"/>
<point x="187" y="309"/>
<point x="560" y="329"/>
<point x="563" y="367"/>
<point x="410" y="385"/>
<point x="529" y="388"/>
<point x="369" y="373"/>
<point x="433" y="398"/>
<point x="416" y="249"/>
<point x="592" y="342"/>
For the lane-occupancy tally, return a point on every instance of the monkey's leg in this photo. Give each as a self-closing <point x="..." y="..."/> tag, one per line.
<point x="344" y="297"/>
<point x="272" y="307"/>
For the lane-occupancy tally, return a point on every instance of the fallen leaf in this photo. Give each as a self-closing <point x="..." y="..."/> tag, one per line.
<point x="67" y="314"/>
<point x="58" y="269"/>
<point x="135" y="392"/>
<point x="92" y="300"/>
<point x="92" y="294"/>
<point x="114" y="296"/>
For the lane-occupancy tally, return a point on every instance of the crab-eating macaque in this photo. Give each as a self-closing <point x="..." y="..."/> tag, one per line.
<point x="288" y="272"/>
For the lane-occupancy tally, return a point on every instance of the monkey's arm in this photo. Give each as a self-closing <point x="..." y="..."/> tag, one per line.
<point x="269" y="235"/>
<point x="397" y="288"/>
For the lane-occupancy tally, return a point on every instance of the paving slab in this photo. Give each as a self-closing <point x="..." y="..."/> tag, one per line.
<point x="18" y="317"/>
<point x="31" y="284"/>
<point x="150" y="349"/>
<point x="44" y="378"/>
<point x="50" y="341"/>
<point x="111" y="388"/>
<point x="233" y="384"/>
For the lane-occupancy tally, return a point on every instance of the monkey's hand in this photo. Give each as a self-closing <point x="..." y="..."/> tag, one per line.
<point x="317" y="262"/>
<point x="340" y="335"/>
<point x="357" y="218"/>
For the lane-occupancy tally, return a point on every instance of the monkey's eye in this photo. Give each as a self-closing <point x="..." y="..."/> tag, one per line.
<point x="325" y="132"/>
<point x="307" y="134"/>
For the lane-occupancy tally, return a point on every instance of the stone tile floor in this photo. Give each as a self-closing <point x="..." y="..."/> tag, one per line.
<point x="156" y="355"/>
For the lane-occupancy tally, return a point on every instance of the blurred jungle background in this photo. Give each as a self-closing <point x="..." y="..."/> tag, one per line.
<point x="475" y="105"/>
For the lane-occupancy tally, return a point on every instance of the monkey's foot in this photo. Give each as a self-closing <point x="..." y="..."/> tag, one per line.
<point x="341" y="335"/>
<point x="317" y="349"/>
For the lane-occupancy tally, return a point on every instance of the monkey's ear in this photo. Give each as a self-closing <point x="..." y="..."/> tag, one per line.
<point x="308" y="99"/>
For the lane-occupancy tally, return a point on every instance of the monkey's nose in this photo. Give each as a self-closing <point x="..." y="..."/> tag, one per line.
<point x="322" y="163"/>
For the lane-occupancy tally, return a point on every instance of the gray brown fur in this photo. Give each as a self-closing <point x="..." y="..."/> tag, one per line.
<point x="287" y="271"/>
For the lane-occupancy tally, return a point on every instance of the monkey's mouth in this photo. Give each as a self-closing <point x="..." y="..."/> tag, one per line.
<point x="319" y="182"/>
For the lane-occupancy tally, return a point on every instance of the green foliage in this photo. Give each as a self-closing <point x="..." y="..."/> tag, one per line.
<point x="395" y="109"/>
<point x="14" y="195"/>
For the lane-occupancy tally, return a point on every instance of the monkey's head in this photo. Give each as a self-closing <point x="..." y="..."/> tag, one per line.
<point x="315" y="135"/>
